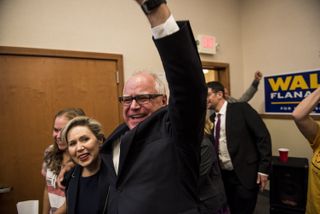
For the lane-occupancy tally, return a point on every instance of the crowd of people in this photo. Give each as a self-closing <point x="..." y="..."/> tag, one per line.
<point x="169" y="156"/>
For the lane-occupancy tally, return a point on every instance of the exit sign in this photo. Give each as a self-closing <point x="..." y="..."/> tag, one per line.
<point x="206" y="44"/>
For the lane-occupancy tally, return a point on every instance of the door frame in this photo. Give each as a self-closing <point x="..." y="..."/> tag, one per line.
<point x="222" y="75"/>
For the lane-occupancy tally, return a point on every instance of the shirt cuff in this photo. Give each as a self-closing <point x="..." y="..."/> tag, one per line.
<point x="169" y="27"/>
<point x="263" y="174"/>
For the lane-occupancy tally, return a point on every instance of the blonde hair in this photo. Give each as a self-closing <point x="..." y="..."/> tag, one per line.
<point x="208" y="126"/>
<point x="92" y="124"/>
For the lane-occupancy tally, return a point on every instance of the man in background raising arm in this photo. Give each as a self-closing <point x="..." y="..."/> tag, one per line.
<point x="249" y="93"/>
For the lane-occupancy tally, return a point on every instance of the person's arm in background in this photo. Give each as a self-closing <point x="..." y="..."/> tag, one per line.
<point x="307" y="126"/>
<point x="67" y="167"/>
<point x="62" y="209"/>
<point x="250" y="92"/>
<point x="263" y="140"/>
<point x="45" y="202"/>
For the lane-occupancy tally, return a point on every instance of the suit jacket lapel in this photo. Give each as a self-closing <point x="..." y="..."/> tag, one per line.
<point x="125" y="144"/>
<point x="229" y="128"/>
<point x="125" y="136"/>
<point x="107" y="148"/>
<point x="73" y="189"/>
<point x="103" y="185"/>
<point x="143" y="130"/>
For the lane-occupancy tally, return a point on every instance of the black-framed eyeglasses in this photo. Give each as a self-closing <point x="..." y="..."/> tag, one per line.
<point x="141" y="99"/>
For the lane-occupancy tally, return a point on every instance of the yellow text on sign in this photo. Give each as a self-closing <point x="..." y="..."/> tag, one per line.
<point x="291" y="83"/>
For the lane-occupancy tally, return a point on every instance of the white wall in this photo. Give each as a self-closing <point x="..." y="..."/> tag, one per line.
<point x="97" y="25"/>
<point x="275" y="36"/>
<point x="222" y="19"/>
<point x="280" y="36"/>
<point x="116" y="27"/>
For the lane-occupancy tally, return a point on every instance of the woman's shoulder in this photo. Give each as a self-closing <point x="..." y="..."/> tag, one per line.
<point x="48" y="149"/>
<point x="48" y="153"/>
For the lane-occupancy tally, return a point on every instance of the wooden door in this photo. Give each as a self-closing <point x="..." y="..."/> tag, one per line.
<point x="35" y="84"/>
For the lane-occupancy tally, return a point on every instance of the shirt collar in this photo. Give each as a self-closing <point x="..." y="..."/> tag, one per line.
<point x="223" y="109"/>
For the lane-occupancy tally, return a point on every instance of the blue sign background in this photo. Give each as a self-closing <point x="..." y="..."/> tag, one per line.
<point x="285" y="100"/>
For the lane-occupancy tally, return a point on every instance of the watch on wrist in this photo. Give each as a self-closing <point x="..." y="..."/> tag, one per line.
<point x="148" y="5"/>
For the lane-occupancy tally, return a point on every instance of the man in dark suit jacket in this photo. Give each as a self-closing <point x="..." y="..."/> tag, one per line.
<point x="244" y="146"/>
<point x="153" y="158"/>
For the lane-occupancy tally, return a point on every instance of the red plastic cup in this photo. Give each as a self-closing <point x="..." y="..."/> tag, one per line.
<point x="283" y="154"/>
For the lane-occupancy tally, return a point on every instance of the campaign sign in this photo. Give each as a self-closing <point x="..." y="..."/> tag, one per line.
<point x="284" y="92"/>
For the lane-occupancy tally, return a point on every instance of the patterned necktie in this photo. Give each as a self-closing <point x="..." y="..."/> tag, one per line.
<point x="217" y="133"/>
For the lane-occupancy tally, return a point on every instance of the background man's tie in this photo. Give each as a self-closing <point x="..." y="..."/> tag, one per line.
<point x="217" y="133"/>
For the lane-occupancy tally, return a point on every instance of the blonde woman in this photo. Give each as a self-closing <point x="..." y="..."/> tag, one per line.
<point x="86" y="184"/>
<point x="310" y="130"/>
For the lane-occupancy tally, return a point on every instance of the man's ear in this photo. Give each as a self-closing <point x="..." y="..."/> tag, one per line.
<point x="164" y="99"/>
<point x="220" y="94"/>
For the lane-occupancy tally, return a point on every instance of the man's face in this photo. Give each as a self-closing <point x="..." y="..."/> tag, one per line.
<point x="135" y="113"/>
<point x="213" y="99"/>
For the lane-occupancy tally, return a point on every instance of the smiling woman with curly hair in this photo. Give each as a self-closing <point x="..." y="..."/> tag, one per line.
<point x="55" y="157"/>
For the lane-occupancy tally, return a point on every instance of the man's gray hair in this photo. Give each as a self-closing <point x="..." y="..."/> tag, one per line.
<point x="159" y="85"/>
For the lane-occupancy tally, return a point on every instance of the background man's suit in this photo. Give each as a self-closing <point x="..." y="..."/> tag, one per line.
<point x="248" y="143"/>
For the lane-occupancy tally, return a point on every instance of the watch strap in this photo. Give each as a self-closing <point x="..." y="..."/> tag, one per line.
<point x="148" y="5"/>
